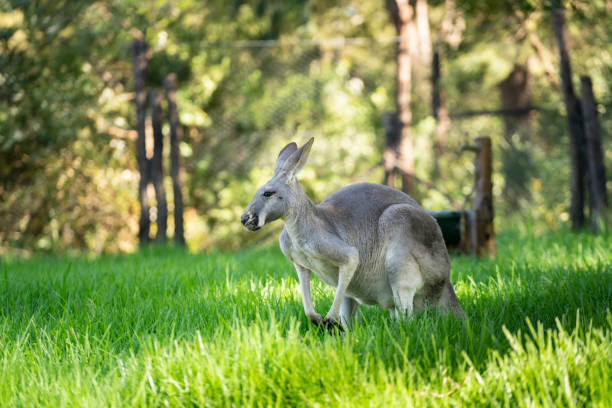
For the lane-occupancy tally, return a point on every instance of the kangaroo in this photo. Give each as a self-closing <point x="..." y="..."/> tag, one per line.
<point x="373" y="243"/>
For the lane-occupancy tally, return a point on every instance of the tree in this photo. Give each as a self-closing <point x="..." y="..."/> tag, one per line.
<point x="575" y="122"/>
<point x="402" y="13"/>
<point x="69" y="128"/>
<point x="175" y="158"/>
<point x="515" y="92"/>
<point x="598" y="196"/>
<point x="139" y="61"/>
<point x="439" y="112"/>
<point x="157" y="168"/>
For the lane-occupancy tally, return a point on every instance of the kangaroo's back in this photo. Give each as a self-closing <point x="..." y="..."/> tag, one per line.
<point x="354" y="212"/>
<point x="362" y="204"/>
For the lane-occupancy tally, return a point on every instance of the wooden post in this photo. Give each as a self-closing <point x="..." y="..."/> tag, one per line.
<point x="175" y="164"/>
<point x="469" y="237"/>
<point x="483" y="197"/>
<point x="574" y="117"/>
<point x="598" y="196"/>
<point x="157" y="174"/>
<point x="480" y="235"/>
<point x="139" y="60"/>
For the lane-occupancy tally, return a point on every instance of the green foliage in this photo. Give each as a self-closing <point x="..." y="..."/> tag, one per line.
<point x="166" y="327"/>
<point x="69" y="175"/>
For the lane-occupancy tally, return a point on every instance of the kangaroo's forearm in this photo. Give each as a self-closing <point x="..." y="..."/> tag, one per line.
<point x="345" y="274"/>
<point x="304" y="278"/>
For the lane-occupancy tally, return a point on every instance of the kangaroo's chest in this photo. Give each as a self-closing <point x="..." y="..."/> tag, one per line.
<point x="311" y="260"/>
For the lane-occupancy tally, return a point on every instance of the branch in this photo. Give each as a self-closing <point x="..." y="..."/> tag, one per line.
<point x="507" y="112"/>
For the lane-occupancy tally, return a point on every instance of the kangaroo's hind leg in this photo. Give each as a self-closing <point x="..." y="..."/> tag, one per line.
<point x="405" y="278"/>
<point x="416" y="257"/>
<point x="349" y="311"/>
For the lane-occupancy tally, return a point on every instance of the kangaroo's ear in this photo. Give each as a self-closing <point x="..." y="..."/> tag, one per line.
<point x="284" y="154"/>
<point x="294" y="163"/>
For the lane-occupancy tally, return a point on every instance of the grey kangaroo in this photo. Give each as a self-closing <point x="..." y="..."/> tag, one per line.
<point x="374" y="244"/>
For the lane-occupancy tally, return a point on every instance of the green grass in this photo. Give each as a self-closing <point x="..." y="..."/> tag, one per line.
<point x="169" y="328"/>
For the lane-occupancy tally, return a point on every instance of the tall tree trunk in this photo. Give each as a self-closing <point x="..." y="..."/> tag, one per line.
<point x="421" y="51"/>
<point x="175" y="164"/>
<point x="391" y="144"/>
<point x="515" y="92"/>
<point x="598" y="196"/>
<point x="574" y="117"/>
<point x="139" y="60"/>
<point x="402" y="13"/>
<point x="157" y="174"/>
<point x="452" y="25"/>
<point x="439" y="111"/>
<point x="424" y="34"/>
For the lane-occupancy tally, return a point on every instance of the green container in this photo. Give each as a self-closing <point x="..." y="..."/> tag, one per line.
<point x="450" y="224"/>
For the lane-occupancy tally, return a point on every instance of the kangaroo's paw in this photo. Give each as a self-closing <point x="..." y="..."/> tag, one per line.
<point x="331" y="325"/>
<point x="315" y="318"/>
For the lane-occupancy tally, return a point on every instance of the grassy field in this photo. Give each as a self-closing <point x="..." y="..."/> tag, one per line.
<point x="170" y="328"/>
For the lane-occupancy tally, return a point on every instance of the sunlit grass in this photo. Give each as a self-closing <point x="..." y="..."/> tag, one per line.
<point x="166" y="327"/>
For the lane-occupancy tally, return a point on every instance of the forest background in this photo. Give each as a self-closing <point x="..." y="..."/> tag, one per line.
<point x="254" y="75"/>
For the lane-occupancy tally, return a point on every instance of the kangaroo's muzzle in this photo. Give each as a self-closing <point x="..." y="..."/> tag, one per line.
<point x="250" y="221"/>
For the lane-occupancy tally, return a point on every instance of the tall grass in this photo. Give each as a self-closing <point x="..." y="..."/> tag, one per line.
<point x="165" y="327"/>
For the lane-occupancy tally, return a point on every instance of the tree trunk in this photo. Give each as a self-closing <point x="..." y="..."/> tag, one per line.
<point x="139" y="60"/>
<point x="424" y="34"/>
<point x="402" y="13"/>
<point x="440" y="112"/>
<point x="574" y="117"/>
<point x="391" y="143"/>
<point x="452" y="25"/>
<point x="175" y="164"/>
<point x="598" y="197"/>
<point x="420" y="49"/>
<point x="515" y="92"/>
<point x="157" y="174"/>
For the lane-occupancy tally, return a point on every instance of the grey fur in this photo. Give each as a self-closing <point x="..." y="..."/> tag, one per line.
<point x="374" y="244"/>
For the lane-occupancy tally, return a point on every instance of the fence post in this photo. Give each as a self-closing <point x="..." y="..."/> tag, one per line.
<point x="483" y="198"/>
<point x="479" y="235"/>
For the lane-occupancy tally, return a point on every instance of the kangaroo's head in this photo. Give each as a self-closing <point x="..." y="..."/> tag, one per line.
<point x="276" y="197"/>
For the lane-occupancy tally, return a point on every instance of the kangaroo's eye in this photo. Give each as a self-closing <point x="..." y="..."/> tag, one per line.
<point x="269" y="193"/>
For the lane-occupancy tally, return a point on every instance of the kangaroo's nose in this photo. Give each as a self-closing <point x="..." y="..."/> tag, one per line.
<point x="244" y="218"/>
